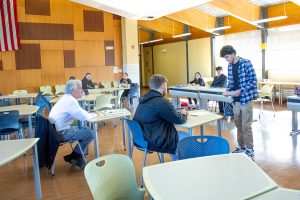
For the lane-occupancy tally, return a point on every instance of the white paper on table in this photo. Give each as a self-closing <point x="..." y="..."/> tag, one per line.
<point x="197" y="113"/>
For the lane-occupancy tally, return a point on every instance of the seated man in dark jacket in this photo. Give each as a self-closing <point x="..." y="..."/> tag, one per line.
<point x="220" y="80"/>
<point x="157" y="117"/>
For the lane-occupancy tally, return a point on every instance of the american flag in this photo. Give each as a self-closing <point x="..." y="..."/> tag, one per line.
<point x="9" y="34"/>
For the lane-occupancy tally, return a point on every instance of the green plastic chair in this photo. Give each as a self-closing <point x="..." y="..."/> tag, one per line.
<point x="113" y="177"/>
<point x="60" y="89"/>
<point x="46" y="90"/>
<point x="20" y="92"/>
<point x="103" y="102"/>
<point x="266" y="95"/>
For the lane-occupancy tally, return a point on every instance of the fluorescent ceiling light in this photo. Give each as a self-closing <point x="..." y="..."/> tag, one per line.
<point x="142" y="9"/>
<point x="217" y="29"/>
<point x="151" y="41"/>
<point x="181" y="35"/>
<point x="270" y="19"/>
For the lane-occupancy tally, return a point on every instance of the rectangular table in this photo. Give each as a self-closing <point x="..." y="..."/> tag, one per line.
<point x="279" y="194"/>
<point x="108" y="115"/>
<point x="12" y="149"/>
<point x="201" y="93"/>
<point x="24" y="110"/>
<point x="20" y="96"/>
<point x="228" y="176"/>
<point x="293" y="104"/>
<point x="199" y="118"/>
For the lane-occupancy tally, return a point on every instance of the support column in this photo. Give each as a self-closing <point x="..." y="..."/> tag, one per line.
<point x="130" y="49"/>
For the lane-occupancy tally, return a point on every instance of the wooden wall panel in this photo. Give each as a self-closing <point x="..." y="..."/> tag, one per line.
<point x="93" y="21"/>
<point x="77" y="17"/>
<point x="78" y="72"/>
<point x="109" y="52"/>
<point x="1" y="83"/>
<point x="8" y="60"/>
<point x="21" y="13"/>
<point x="92" y="36"/>
<point x="79" y="54"/>
<point x="52" y="81"/>
<point x="9" y="81"/>
<point x="94" y="53"/>
<point x="1" y="65"/>
<point x="29" y="79"/>
<point x="52" y="45"/>
<point x="101" y="73"/>
<point x="69" y="45"/>
<point x="28" y="57"/>
<point x="37" y="7"/>
<point x="61" y="12"/>
<point x="108" y="26"/>
<point x="69" y="58"/>
<point x="52" y="64"/>
<point x="21" y="2"/>
<point x="118" y="46"/>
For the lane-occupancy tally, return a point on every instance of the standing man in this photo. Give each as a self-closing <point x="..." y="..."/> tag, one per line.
<point x="242" y="86"/>
<point x="157" y="117"/>
<point x="219" y="81"/>
<point x="62" y="115"/>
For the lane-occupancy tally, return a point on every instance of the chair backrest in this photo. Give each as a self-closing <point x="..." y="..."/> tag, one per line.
<point x="112" y="177"/>
<point x="106" y="84"/>
<point x="266" y="91"/>
<point x="103" y="102"/>
<point x="9" y="120"/>
<point x="94" y="91"/>
<point x="115" y="84"/>
<point x="198" y="146"/>
<point x="137" y="133"/>
<point x="46" y="90"/>
<point x="43" y="103"/>
<point x="20" y="92"/>
<point x="4" y="103"/>
<point x="134" y="90"/>
<point x="60" y="89"/>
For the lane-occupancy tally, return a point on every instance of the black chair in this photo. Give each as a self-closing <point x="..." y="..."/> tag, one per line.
<point x="134" y="92"/>
<point x="10" y="123"/>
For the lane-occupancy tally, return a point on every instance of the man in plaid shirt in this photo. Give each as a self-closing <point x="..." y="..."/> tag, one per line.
<point x="242" y="86"/>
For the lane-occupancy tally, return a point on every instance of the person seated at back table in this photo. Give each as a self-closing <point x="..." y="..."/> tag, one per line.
<point x="87" y="83"/>
<point x="219" y="81"/>
<point x="157" y="117"/>
<point x="125" y="82"/>
<point x="196" y="81"/>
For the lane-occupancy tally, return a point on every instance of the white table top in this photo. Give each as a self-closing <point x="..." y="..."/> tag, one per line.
<point x="11" y="149"/>
<point x="19" y="96"/>
<point x="229" y="176"/>
<point x="23" y="109"/>
<point x="279" y="194"/>
<point x="90" y="97"/>
<point x="198" y="88"/>
<point x="110" y="114"/>
<point x="199" y="117"/>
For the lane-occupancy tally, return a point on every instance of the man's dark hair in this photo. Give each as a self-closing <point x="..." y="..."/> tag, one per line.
<point x="156" y="81"/>
<point x="227" y="50"/>
<point x="87" y="74"/>
<point x="125" y="74"/>
<point x="219" y="68"/>
<point x="72" y="78"/>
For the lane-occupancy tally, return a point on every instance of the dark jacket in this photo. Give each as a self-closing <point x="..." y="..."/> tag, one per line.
<point x="48" y="143"/>
<point x="125" y="81"/>
<point x="219" y="81"/>
<point x="157" y="117"/>
<point x="87" y="84"/>
<point x="200" y="82"/>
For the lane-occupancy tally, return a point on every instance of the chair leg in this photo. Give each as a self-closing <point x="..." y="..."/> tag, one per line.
<point x="273" y="107"/>
<point x="261" y="109"/>
<point x="82" y="153"/>
<point x="53" y="168"/>
<point x="161" y="157"/>
<point x="144" y="163"/>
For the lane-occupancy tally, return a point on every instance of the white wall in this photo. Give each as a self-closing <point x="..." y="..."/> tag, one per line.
<point x="199" y="57"/>
<point x="170" y="61"/>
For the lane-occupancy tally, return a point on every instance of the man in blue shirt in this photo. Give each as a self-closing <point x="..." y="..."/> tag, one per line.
<point x="242" y="86"/>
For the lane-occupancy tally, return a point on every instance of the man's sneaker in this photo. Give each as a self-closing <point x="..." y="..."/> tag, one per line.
<point x="250" y="152"/>
<point x="239" y="150"/>
<point x="79" y="162"/>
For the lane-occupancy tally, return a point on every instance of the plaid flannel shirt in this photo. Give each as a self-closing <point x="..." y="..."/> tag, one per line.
<point x="247" y="81"/>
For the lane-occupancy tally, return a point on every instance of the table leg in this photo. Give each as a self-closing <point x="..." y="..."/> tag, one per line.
<point x="95" y="128"/>
<point x="129" y="141"/>
<point x="219" y="128"/>
<point x="123" y="133"/>
<point x="294" y="120"/>
<point x="30" y="126"/>
<point x="31" y="101"/>
<point x="36" y="173"/>
<point x="202" y="130"/>
<point x="280" y="94"/>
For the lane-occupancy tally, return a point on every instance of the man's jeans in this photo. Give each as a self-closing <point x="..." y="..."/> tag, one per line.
<point x="84" y="136"/>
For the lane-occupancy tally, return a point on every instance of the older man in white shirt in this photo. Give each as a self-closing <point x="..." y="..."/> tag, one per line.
<point x="62" y="116"/>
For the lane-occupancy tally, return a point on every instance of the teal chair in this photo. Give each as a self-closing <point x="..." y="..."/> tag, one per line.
<point x="112" y="177"/>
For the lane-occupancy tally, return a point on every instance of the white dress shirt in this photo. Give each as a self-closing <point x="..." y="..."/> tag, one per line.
<point x="65" y="111"/>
